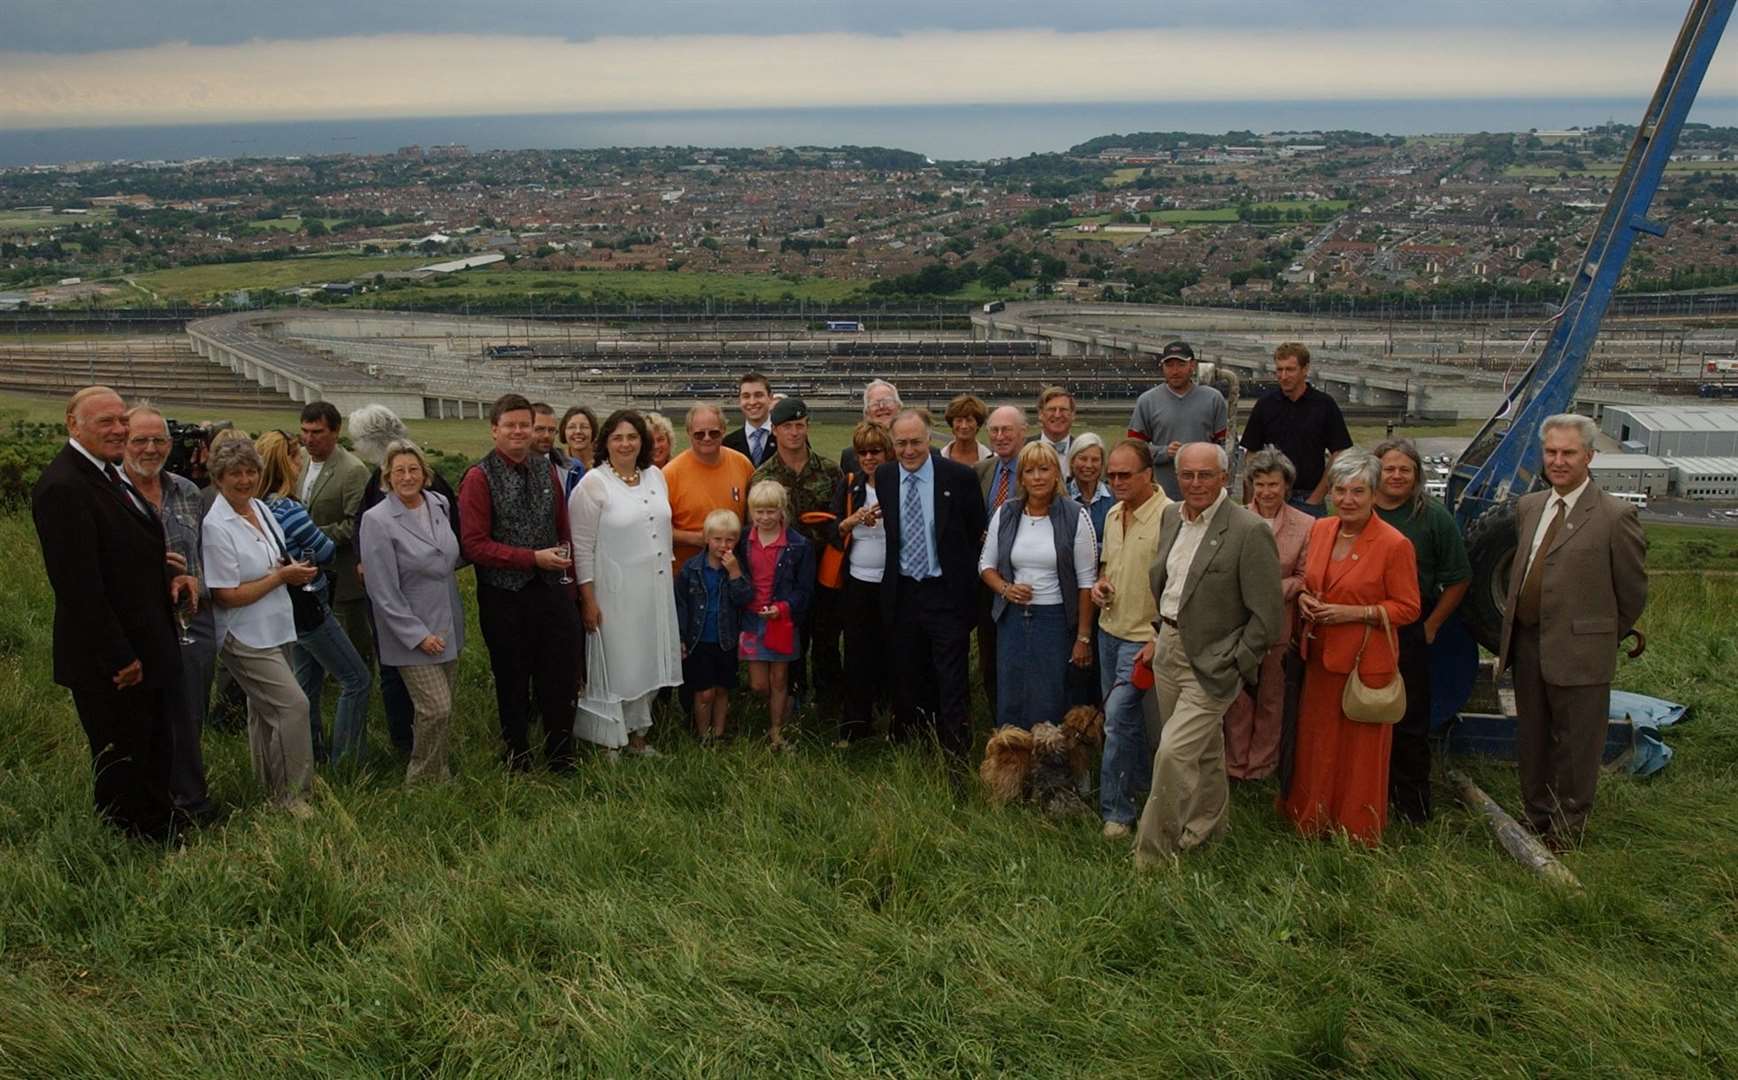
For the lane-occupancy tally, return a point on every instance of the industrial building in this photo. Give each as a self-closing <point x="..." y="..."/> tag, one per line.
<point x="1673" y="431"/>
<point x="1705" y="478"/>
<point x="1642" y="473"/>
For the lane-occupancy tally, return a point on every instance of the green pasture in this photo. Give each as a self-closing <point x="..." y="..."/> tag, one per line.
<point x="287" y="224"/>
<point x="22" y="221"/>
<point x="214" y="280"/>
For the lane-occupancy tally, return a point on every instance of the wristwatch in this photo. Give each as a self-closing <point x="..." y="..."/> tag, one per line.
<point x="1083" y="639"/>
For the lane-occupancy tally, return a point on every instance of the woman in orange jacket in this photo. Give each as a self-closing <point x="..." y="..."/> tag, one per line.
<point x="1358" y="567"/>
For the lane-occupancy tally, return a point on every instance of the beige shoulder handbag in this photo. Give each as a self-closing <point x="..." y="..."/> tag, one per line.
<point x="1382" y="705"/>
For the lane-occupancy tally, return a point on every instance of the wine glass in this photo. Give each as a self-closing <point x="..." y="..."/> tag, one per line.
<point x="308" y="556"/>
<point x="566" y="552"/>
<point x="184" y="618"/>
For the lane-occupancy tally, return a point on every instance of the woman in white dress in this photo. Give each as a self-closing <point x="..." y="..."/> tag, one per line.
<point x="622" y="554"/>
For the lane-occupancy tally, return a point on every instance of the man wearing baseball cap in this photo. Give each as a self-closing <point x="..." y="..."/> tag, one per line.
<point x="810" y="479"/>
<point x="1176" y="413"/>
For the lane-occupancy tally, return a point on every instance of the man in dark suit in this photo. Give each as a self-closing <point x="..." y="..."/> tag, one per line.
<point x="114" y="630"/>
<point x="998" y="481"/>
<point x="753" y="439"/>
<point x="934" y="520"/>
<point x="1578" y="585"/>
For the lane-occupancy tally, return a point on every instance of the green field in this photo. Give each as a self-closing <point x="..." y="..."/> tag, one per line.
<point x="19" y="221"/>
<point x="736" y="913"/>
<point x="482" y="287"/>
<point x="1124" y="177"/>
<point x="213" y="281"/>
<point x="287" y="224"/>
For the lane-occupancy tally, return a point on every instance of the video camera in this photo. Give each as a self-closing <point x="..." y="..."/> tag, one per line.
<point x="188" y="444"/>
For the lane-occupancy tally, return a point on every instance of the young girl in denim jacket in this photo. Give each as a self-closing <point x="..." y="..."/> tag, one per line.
<point x="710" y="590"/>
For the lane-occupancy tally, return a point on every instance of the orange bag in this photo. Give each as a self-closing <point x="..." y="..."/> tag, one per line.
<point x="830" y="563"/>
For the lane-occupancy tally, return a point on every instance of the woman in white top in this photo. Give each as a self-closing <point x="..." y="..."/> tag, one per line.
<point x="622" y="554"/>
<point x="868" y="660"/>
<point x="250" y="574"/>
<point x="1040" y="558"/>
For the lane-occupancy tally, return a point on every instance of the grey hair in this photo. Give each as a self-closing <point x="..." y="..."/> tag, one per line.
<point x="399" y="448"/>
<point x="877" y="384"/>
<point x="1353" y="465"/>
<point x="1405" y="446"/>
<point x="657" y="421"/>
<point x="1218" y="452"/>
<point x="1269" y="458"/>
<point x="373" y="428"/>
<point x="1081" y="444"/>
<point x="232" y="454"/>
<point x="1017" y="410"/>
<point x="700" y="410"/>
<point x="1580" y="424"/>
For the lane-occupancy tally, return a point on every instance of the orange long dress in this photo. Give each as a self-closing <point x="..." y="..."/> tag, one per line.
<point x="1340" y="772"/>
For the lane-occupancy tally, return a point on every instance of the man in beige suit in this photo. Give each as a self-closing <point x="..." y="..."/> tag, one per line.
<point x="1221" y="605"/>
<point x="330" y="485"/>
<point x="1578" y="585"/>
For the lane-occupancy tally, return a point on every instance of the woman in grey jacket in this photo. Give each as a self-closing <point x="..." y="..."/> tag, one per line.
<point x="411" y="554"/>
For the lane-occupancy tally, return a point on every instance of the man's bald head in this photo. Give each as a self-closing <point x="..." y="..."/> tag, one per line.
<point x="96" y="419"/>
<point x="1201" y="474"/>
<point x="1006" y="430"/>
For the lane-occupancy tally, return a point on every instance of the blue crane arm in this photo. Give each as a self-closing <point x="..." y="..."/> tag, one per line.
<point x="1503" y="460"/>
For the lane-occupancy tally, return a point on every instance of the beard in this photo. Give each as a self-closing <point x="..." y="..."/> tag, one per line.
<point x="138" y="468"/>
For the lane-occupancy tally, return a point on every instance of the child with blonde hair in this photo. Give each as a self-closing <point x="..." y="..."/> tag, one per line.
<point x="710" y="591"/>
<point x="781" y="573"/>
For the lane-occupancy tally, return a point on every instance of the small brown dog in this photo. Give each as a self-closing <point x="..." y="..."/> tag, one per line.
<point x="1047" y="765"/>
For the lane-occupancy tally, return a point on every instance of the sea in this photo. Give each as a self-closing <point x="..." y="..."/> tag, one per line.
<point x="944" y="132"/>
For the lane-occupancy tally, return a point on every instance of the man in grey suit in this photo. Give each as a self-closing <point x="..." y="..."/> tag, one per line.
<point x="1217" y="583"/>
<point x="330" y="485"/>
<point x="1578" y="585"/>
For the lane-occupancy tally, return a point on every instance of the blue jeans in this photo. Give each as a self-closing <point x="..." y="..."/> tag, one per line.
<point x="1032" y="646"/>
<point x="1127" y="769"/>
<point x="323" y="651"/>
<point x="1302" y="502"/>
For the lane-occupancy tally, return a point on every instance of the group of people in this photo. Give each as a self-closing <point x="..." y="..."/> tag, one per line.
<point x="1218" y="638"/>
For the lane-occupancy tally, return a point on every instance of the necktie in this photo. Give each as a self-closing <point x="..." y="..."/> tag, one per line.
<point x="123" y="487"/>
<point x="1002" y="472"/>
<point x="1533" y="586"/>
<point x="756" y="440"/>
<point x="914" y="553"/>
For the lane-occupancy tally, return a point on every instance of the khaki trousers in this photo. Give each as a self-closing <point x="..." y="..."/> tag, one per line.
<point x="431" y="695"/>
<point x="1187" y="806"/>
<point x="278" y="739"/>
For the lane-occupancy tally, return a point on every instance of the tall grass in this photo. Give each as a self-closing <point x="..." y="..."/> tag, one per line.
<point x="738" y="913"/>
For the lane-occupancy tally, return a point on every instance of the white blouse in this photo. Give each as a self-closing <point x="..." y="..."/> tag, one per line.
<point x="868" y="550"/>
<point x="1034" y="555"/>
<point x="235" y="553"/>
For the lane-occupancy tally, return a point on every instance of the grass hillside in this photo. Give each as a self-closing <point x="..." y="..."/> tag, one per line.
<point x="735" y="913"/>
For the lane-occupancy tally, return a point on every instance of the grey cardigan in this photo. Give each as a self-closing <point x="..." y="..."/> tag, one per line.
<point x="412" y="581"/>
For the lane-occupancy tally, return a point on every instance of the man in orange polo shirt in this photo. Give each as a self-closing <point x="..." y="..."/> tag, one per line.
<point x="705" y="477"/>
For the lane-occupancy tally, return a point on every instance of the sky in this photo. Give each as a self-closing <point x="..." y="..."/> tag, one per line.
<point x="80" y="63"/>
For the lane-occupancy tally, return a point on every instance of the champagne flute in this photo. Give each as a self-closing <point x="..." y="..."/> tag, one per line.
<point x="308" y="556"/>
<point x="184" y="619"/>
<point x="565" y="551"/>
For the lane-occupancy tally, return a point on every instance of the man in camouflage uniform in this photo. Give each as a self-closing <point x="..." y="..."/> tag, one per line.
<point x="811" y="480"/>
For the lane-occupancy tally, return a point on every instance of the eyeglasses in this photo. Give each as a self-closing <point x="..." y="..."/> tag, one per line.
<point x="709" y="433"/>
<point x="148" y="440"/>
<point x="1197" y="477"/>
<point x="1119" y="476"/>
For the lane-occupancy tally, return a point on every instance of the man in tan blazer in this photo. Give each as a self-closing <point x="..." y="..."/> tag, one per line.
<point x="1578" y="585"/>
<point x="1221" y="605"/>
<point x="330" y="484"/>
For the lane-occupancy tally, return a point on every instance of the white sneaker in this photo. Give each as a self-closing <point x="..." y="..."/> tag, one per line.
<point x="1115" y="830"/>
<point x="643" y="751"/>
<point x="612" y="757"/>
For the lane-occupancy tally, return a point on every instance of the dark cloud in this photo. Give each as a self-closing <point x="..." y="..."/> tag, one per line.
<point x="62" y="26"/>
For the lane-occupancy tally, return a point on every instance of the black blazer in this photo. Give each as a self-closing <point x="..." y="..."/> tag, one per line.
<point x="959" y="529"/>
<point x="105" y="561"/>
<point x="737" y="440"/>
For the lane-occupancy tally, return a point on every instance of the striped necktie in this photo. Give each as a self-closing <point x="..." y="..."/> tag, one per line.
<point x="913" y="531"/>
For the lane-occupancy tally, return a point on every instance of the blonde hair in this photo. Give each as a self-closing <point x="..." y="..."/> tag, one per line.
<point x="278" y="466"/>
<point x="1033" y="453"/>
<point x="721" y="521"/>
<point x="399" y="448"/>
<point x="768" y="494"/>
